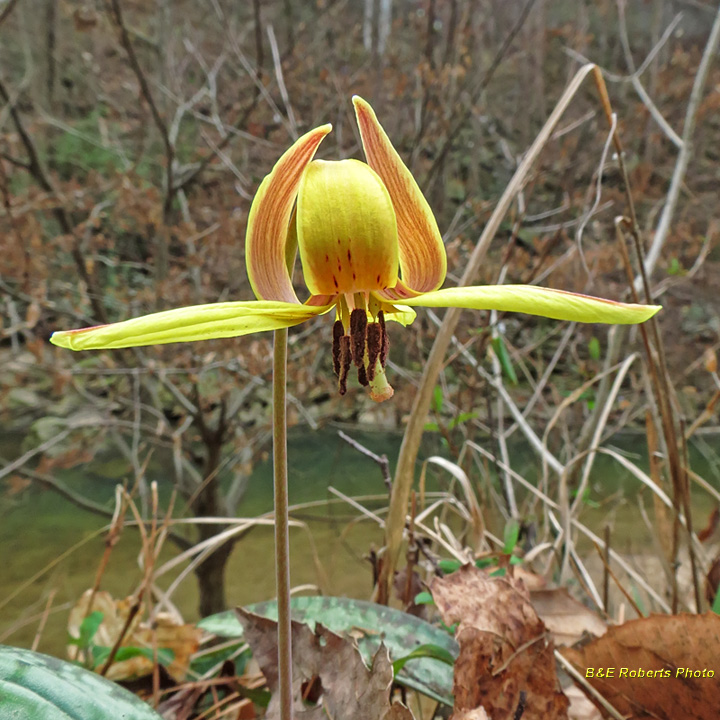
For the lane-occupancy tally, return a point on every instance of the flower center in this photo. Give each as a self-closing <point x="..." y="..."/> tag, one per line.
<point x="363" y="344"/>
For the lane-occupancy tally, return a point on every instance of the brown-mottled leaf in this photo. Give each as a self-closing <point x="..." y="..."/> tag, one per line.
<point x="654" y="663"/>
<point x="565" y="617"/>
<point x="348" y="689"/>
<point x="506" y="654"/>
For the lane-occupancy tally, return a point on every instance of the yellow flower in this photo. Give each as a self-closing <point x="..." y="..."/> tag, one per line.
<point x="369" y="247"/>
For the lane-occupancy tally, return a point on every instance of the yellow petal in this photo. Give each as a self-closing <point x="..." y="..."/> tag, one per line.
<point x="422" y="254"/>
<point x="346" y="229"/>
<point x="269" y="218"/>
<point x="401" y="314"/>
<point x="533" y="300"/>
<point x="198" y="322"/>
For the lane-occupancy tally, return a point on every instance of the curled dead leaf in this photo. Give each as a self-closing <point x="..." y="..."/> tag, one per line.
<point x="662" y="666"/>
<point x="165" y="633"/>
<point x="566" y="618"/>
<point x="710" y="360"/>
<point x="32" y="315"/>
<point x="506" y="660"/>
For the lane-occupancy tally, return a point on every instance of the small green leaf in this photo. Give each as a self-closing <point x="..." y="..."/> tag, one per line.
<point x="503" y="357"/>
<point x="461" y="418"/>
<point x="510" y="536"/>
<point x="423" y="598"/>
<point x="594" y="348"/>
<point x="88" y="627"/>
<point x="449" y="566"/>
<point x="437" y="400"/>
<point x="425" y="651"/>
<point x="716" y="603"/>
<point x="485" y="562"/>
<point x="165" y="656"/>
<point x="675" y="268"/>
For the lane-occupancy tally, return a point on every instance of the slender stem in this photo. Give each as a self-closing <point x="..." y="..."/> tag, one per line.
<point x="282" y="546"/>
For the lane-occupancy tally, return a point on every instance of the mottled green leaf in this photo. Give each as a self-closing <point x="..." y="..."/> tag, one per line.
<point x="370" y="625"/>
<point x="39" y="687"/>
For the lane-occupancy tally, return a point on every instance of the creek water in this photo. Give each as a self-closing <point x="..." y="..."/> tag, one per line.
<point x="50" y="547"/>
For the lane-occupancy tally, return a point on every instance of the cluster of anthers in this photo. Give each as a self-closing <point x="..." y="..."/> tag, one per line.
<point x="366" y="346"/>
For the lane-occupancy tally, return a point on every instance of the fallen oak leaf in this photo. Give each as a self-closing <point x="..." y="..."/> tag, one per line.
<point x="656" y="661"/>
<point x="506" y="656"/>
<point x="567" y="619"/>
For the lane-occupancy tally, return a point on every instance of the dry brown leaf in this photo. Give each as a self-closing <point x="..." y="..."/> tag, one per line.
<point x="710" y="360"/>
<point x="505" y="651"/>
<point x="476" y="714"/>
<point x="32" y="315"/>
<point x="398" y="711"/>
<point x="565" y="617"/>
<point x="662" y="666"/>
<point x="115" y="613"/>
<point x="349" y="690"/>
<point x="168" y="634"/>
<point x="580" y="707"/>
<point x="16" y="484"/>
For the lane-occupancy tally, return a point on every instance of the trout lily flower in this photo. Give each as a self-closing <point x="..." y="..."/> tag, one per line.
<point x="370" y="248"/>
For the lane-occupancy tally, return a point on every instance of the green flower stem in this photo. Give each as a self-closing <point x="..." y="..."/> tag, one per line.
<point x="282" y="546"/>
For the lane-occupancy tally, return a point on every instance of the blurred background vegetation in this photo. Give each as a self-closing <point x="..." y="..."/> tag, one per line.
<point x="133" y="136"/>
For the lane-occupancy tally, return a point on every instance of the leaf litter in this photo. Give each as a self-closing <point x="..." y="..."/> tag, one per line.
<point x="330" y="679"/>
<point x="661" y="666"/>
<point x="506" y="664"/>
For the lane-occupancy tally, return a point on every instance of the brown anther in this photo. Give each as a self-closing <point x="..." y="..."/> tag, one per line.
<point x="338" y="332"/>
<point x="374" y="347"/>
<point x="358" y="328"/>
<point x="345" y="361"/>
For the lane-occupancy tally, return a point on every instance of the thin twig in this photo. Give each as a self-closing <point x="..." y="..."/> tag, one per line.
<point x="381" y="460"/>
<point x="117" y="17"/>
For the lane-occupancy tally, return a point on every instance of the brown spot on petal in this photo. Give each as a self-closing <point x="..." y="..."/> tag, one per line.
<point x="335" y="282"/>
